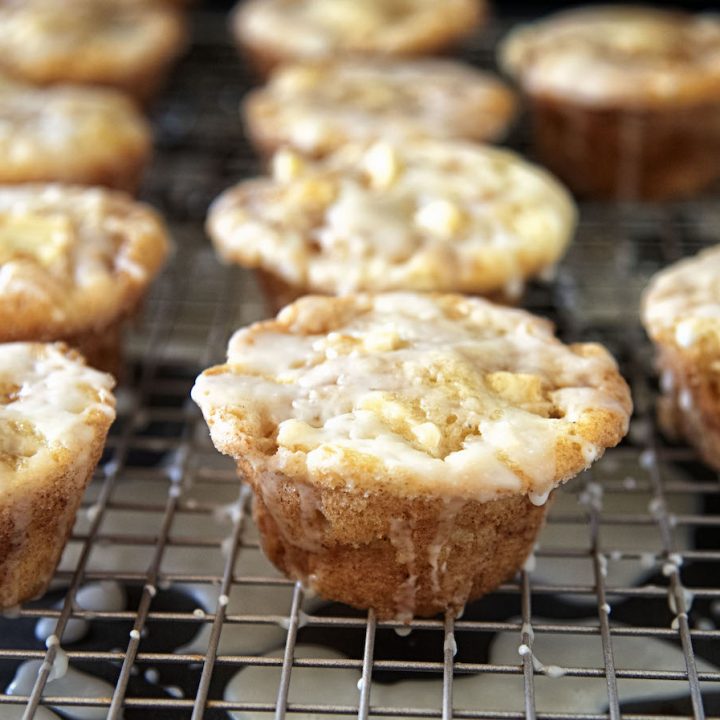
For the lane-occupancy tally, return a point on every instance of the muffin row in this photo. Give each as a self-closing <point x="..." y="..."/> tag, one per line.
<point x="625" y="100"/>
<point x="76" y="258"/>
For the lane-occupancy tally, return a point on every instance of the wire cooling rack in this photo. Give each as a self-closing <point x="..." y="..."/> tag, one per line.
<point x="618" y="604"/>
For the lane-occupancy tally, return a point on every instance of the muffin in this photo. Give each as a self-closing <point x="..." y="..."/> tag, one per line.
<point x="55" y="413"/>
<point x="681" y="313"/>
<point x="124" y="44"/>
<point x="74" y="263"/>
<point x="271" y="32"/>
<point x="625" y="100"/>
<point x="402" y="447"/>
<point x="316" y="107"/>
<point x="71" y="134"/>
<point x="428" y="215"/>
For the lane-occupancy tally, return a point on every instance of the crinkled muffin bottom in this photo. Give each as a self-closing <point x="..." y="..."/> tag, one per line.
<point x="628" y="154"/>
<point x="402" y="556"/>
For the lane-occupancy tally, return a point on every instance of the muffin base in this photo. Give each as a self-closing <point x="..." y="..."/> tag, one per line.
<point x="628" y="154"/>
<point x="690" y="405"/>
<point x="35" y="524"/>
<point x="402" y="556"/>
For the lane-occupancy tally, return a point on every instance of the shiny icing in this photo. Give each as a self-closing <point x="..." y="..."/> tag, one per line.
<point x="316" y="107"/>
<point x="50" y="402"/>
<point x="423" y="215"/>
<point x="682" y="302"/>
<point x="442" y="392"/>
<point x="618" y="54"/>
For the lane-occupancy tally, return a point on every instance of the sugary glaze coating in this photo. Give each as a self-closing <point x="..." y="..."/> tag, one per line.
<point x="54" y="416"/>
<point x="71" y="134"/>
<point x="414" y="394"/>
<point x="276" y="31"/>
<point x="681" y="312"/>
<point x="316" y="107"/>
<point x="618" y="55"/>
<point x="73" y="259"/>
<point x="121" y="43"/>
<point x="423" y="215"/>
<point x="682" y="303"/>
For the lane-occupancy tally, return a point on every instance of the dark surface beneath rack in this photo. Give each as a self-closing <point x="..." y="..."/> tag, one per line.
<point x="163" y="501"/>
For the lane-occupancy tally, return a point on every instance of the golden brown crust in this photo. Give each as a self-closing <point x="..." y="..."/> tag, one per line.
<point x="425" y="215"/>
<point x="403" y="557"/>
<point x="35" y="523"/>
<point x="280" y="36"/>
<point x="681" y="313"/>
<point x="71" y="134"/>
<point x="50" y="443"/>
<point x="126" y="45"/>
<point x="403" y="447"/>
<point x="316" y="107"/>
<point x="114" y="245"/>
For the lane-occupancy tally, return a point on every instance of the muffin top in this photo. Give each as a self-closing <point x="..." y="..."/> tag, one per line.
<point x="618" y="55"/>
<point x="72" y="259"/>
<point x="53" y="410"/>
<point x="317" y="107"/>
<point x="86" y="41"/>
<point x="418" y="215"/>
<point x="66" y="132"/>
<point x="319" y="28"/>
<point x="414" y="393"/>
<point x="681" y="305"/>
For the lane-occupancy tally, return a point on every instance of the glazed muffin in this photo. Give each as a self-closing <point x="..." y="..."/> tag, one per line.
<point x="681" y="312"/>
<point x="74" y="263"/>
<point x="316" y="107"/>
<point x="425" y="215"/>
<point x="272" y="32"/>
<point x="55" y="413"/>
<point x="626" y="100"/>
<point x="402" y="447"/>
<point x="126" y="44"/>
<point x="71" y="134"/>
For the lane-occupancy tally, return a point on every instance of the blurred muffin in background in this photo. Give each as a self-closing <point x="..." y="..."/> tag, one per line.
<point x="625" y="100"/>
<point x="316" y="107"/>
<point x="71" y="134"/>
<point x="125" y="44"/>
<point x="75" y="262"/>
<point x="424" y="215"/>
<point x="271" y="32"/>
<point x="681" y="313"/>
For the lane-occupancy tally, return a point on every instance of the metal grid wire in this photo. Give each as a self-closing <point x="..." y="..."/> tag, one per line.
<point x="635" y="539"/>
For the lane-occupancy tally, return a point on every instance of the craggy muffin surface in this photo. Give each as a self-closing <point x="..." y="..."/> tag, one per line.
<point x="424" y="215"/>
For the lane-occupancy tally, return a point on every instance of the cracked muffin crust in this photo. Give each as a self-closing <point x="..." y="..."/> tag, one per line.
<point x="427" y="215"/>
<point x="71" y="134"/>
<point x="74" y="263"/>
<point x="408" y="434"/>
<point x="55" y="413"/>
<point x="273" y="32"/>
<point x="681" y="313"/>
<point x="316" y="107"/>
<point x="125" y="44"/>
<point x="626" y="99"/>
